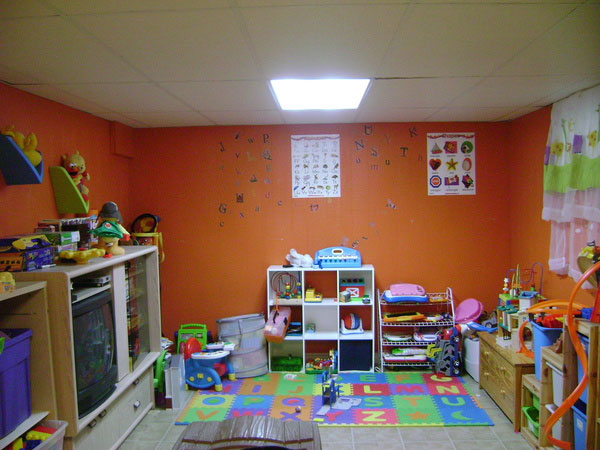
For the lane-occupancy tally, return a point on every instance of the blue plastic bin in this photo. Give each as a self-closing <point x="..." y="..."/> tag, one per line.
<point x="579" y="424"/>
<point x="15" y="391"/>
<point x="542" y="337"/>
<point x="586" y="345"/>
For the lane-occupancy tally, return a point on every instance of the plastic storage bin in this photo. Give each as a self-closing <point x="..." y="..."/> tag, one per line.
<point x="557" y="428"/>
<point x="54" y="442"/>
<point x="542" y="337"/>
<point x="557" y="384"/>
<point x="579" y="424"/>
<point x="471" y="347"/>
<point x="15" y="388"/>
<point x="533" y="419"/>
<point x="586" y="345"/>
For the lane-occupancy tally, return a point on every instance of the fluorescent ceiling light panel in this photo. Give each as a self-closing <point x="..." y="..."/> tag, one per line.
<point x="320" y="94"/>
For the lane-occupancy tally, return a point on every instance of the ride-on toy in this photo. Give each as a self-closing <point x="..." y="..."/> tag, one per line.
<point x="205" y="369"/>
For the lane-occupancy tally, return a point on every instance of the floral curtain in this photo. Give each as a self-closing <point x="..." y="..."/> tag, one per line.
<point x="572" y="179"/>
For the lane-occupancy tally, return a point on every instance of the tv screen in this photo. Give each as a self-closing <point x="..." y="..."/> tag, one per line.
<point x="95" y="353"/>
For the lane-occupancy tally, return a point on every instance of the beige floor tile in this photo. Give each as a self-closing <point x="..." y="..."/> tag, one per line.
<point x="471" y="433"/>
<point x="149" y="431"/>
<point x="173" y="433"/>
<point x="336" y="434"/>
<point x="437" y="445"/>
<point x="375" y="434"/>
<point x="420" y="434"/>
<point x="138" y="445"/>
<point x="506" y="433"/>
<point x="478" y="445"/>
<point x="337" y="446"/>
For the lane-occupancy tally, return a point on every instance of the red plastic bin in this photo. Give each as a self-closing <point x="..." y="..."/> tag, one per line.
<point x="15" y="388"/>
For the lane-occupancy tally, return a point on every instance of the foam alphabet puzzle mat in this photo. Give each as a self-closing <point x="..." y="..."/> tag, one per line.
<point x="386" y="399"/>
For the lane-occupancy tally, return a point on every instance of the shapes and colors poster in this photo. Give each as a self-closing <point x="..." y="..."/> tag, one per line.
<point x="451" y="164"/>
<point x="316" y="166"/>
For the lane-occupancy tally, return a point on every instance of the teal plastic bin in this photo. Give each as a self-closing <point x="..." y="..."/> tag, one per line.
<point x="542" y="337"/>
<point x="579" y="424"/>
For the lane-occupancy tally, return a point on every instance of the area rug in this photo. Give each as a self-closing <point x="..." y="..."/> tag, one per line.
<point x="386" y="399"/>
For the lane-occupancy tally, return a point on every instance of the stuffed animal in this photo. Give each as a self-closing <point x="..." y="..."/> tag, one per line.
<point x="75" y="166"/>
<point x="27" y="144"/>
<point x="298" y="260"/>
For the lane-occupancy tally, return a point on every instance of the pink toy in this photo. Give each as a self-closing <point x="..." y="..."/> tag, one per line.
<point x="406" y="289"/>
<point x="468" y="310"/>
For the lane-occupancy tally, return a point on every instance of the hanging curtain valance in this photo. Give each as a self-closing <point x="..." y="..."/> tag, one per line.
<point x="572" y="178"/>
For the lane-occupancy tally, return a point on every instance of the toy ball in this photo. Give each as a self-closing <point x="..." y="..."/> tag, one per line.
<point x="351" y="321"/>
<point x="298" y="409"/>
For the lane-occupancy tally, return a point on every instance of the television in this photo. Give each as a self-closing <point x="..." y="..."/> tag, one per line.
<point x="95" y="352"/>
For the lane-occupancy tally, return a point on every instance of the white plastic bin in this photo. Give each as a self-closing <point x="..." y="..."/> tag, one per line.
<point x="556" y="429"/>
<point x="54" y="442"/>
<point x="472" y="358"/>
<point x="557" y="384"/>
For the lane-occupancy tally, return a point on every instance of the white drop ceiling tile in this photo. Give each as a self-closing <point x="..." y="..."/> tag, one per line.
<point x="262" y="3"/>
<point x="108" y="6"/>
<point x="11" y="75"/>
<point x="55" y="51"/>
<point x="518" y="113"/>
<point x="313" y="116"/>
<point x="127" y="97"/>
<point x="322" y="41"/>
<point x="513" y="91"/>
<point x="469" y="114"/>
<point x="125" y="120"/>
<point x="415" y="93"/>
<point x="568" y="90"/>
<point x="396" y="115"/>
<point x="572" y="46"/>
<point x="244" y="117"/>
<point x="224" y="95"/>
<point x="23" y="8"/>
<point x="177" y="45"/>
<point x="171" y="119"/>
<point x="466" y="39"/>
<point x="58" y="95"/>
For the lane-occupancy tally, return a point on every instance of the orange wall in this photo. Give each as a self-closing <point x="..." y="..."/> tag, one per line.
<point x="59" y="130"/>
<point x="530" y="235"/>
<point x="216" y="262"/>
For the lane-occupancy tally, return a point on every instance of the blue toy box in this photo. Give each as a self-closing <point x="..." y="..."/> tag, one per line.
<point x="15" y="391"/>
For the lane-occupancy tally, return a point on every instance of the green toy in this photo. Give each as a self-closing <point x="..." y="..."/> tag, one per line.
<point x="196" y="330"/>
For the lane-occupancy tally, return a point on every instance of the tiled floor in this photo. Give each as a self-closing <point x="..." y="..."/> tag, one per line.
<point x="157" y="432"/>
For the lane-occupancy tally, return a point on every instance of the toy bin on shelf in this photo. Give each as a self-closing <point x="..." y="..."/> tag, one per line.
<point x="586" y="345"/>
<point x="54" y="442"/>
<point x="557" y="384"/>
<point x="533" y="419"/>
<point x="15" y="389"/>
<point x="579" y="425"/>
<point x="542" y="337"/>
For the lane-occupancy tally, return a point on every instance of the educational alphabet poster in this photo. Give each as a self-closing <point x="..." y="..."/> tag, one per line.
<point x="316" y="166"/>
<point x="451" y="164"/>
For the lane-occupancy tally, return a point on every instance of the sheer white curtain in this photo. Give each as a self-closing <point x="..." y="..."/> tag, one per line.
<point x="572" y="179"/>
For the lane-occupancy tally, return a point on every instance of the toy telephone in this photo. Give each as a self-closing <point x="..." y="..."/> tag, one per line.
<point x="144" y="231"/>
<point x="332" y="257"/>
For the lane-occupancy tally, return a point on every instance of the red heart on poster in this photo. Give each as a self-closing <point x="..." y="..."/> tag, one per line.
<point x="435" y="163"/>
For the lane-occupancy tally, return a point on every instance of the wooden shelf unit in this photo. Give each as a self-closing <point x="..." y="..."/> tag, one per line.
<point x="27" y="307"/>
<point x="109" y="423"/>
<point x="501" y="372"/>
<point x="570" y="377"/>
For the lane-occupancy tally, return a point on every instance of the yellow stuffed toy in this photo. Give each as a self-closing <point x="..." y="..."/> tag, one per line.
<point x="75" y="165"/>
<point x="27" y="144"/>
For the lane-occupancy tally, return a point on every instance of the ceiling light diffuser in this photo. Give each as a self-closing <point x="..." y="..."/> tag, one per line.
<point x="319" y="94"/>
